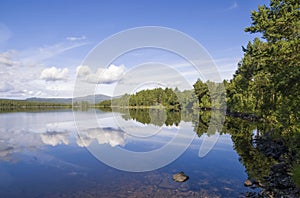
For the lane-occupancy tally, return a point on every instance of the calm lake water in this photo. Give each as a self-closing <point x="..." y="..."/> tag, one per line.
<point x="42" y="155"/>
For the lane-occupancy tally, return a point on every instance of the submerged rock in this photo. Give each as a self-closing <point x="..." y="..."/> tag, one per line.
<point x="180" y="177"/>
<point x="248" y="183"/>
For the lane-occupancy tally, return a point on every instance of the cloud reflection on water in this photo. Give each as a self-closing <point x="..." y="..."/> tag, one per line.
<point x="20" y="132"/>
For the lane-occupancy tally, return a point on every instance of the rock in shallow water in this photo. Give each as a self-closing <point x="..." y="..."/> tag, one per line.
<point x="248" y="183"/>
<point x="180" y="177"/>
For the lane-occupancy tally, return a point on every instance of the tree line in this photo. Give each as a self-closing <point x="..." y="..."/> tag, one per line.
<point x="13" y="105"/>
<point x="157" y="97"/>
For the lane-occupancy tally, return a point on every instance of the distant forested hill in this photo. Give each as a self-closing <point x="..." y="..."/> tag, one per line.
<point x="89" y="99"/>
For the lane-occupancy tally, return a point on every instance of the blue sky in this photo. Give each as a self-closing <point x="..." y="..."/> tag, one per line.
<point x="42" y="43"/>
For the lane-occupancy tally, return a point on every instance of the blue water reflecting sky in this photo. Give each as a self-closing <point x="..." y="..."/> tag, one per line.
<point x="41" y="155"/>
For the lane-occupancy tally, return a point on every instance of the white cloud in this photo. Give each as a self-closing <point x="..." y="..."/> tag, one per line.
<point x="15" y="140"/>
<point x="103" y="76"/>
<point x="109" y="136"/>
<point x="83" y="141"/>
<point x="54" y="74"/>
<point x="6" y="59"/>
<point x="25" y="70"/>
<point x="83" y="71"/>
<point x="233" y="6"/>
<point x="55" y="138"/>
<point x="5" y="87"/>
<point x="76" y="38"/>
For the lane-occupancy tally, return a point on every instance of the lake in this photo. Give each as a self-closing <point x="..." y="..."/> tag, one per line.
<point x="42" y="154"/>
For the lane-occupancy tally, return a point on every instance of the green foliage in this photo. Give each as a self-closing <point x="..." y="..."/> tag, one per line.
<point x="296" y="175"/>
<point x="279" y="21"/>
<point x="158" y="117"/>
<point x="155" y="97"/>
<point x="187" y="99"/>
<point x="211" y="95"/>
<point x="105" y="104"/>
<point x="162" y="98"/>
<point x="201" y="124"/>
<point x="20" y="105"/>
<point x="256" y="163"/>
<point x="81" y="105"/>
<point x="268" y="77"/>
